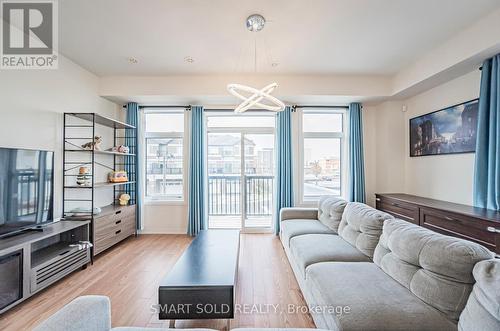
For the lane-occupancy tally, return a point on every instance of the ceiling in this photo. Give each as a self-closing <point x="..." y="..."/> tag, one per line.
<point x="376" y="37"/>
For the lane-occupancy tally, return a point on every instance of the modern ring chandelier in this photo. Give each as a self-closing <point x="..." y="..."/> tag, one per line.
<point x="252" y="97"/>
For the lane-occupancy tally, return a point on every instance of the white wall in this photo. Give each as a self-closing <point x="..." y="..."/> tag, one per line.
<point x="384" y="149"/>
<point x="32" y="103"/>
<point x="443" y="177"/>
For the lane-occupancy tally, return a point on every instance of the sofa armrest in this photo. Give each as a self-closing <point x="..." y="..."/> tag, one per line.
<point x="298" y="213"/>
<point x="90" y="312"/>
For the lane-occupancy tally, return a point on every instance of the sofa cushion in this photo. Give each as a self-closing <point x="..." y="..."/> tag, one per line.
<point x="330" y="211"/>
<point x="482" y="311"/>
<point x="434" y="267"/>
<point x="137" y="328"/>
<point x="361" y="226"/>
<point x="275" y="329"/>
<point x="314" y="248"/>
<point x="292" y="228"/>
<point x="88" y="312"/>
<point x="374" y="300"/>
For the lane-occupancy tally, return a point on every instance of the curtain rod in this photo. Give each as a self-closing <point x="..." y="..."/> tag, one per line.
<point x="157" y="106"/>
<point x="232" y="109"/>
<point x="222" y="109"/>
<point x="311" y="106"/>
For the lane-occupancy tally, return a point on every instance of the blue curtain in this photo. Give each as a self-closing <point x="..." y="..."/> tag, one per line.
<point x="356" y="184"/>
<point x="284" y="170"/>
<point x="487" y="162"/>
<point x="132" y="164"/>
<point x="197" y="216"/>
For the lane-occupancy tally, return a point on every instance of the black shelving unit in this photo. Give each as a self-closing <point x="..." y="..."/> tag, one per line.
<point x="80" y="128"/>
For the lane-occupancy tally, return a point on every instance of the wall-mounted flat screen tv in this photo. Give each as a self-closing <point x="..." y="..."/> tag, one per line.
<point x="26" y="189"/>
<point x="447" y="131"/>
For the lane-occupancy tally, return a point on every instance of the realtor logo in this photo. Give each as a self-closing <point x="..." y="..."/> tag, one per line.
<point x="29" y="34"/>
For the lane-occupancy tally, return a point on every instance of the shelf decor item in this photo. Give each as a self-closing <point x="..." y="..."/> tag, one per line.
<point x="84" y="178"/>
<point x="124" y="199"/>
<point x="121" y="149"/>
<point x="450" y="130"/>
<point x="93" y="145"/>
<point x="118" y="176"/>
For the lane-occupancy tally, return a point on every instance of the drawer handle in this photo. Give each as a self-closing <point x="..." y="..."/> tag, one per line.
<point x="449" y="218"/>
<point x="118" y="212"/>
<point x="118" y="232"/>
<point x="395" y="204"/>
<point x="492" y="229"/>
<point x="118" y="222"/>
<point x="377" y="199"/>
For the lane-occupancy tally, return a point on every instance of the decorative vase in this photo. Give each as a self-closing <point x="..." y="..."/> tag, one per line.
<point x="83" y="178"/>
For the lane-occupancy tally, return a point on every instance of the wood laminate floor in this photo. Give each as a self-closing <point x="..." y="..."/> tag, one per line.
<point x="129" y="275"/>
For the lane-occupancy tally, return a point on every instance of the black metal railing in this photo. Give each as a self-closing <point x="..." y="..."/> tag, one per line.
<point x="224" y="195"/>
<point x="27" y="182"/>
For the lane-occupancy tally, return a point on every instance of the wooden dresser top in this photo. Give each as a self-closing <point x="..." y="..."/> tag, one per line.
<point x="482" y="213"/>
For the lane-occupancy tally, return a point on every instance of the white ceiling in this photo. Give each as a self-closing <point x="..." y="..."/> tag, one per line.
<point x="377" y="37"/>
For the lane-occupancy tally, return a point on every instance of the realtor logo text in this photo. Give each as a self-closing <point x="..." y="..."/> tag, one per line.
<point x="29" y="34"/>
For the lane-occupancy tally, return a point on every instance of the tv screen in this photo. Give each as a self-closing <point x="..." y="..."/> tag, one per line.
<point x="26" y="189"/>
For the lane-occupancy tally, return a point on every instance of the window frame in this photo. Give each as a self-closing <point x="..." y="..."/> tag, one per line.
<point x="312" y="200"/>
<point x="169" y="198"/>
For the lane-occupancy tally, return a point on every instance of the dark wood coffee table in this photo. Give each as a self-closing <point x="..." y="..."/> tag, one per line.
<point x="201" y="285"/>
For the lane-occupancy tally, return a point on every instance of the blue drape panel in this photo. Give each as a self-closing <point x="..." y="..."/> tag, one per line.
<point x="356" y="183"/>
<point x="284" y="170"/>
<point x="197" y="216"/>
<point x="487" y="161"/>
<point x="132" y="164"/>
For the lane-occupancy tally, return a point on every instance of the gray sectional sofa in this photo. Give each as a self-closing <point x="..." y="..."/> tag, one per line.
<point x="362" y="269"/>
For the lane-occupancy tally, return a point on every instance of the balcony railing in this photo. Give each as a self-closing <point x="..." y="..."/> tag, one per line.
<point x="224" y="195"/>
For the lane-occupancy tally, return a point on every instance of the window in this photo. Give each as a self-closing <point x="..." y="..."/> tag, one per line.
<point x="322" y="148"/>
<point x="164" y="134"/>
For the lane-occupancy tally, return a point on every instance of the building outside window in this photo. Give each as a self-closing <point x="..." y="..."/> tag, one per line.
<point x="164" y="133"/>
<point x="322" y="153"/>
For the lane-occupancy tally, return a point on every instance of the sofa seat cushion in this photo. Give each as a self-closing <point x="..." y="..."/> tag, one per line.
<point x="482" y="311"/>
<point x="368" y="299"/>
<point x="434" y="267"/>
<point x="292" y="228"/>
<point x="330" y="211"/>
<point x="136" y="328"/>
<point x="361" y="226"/>
<point x="314" y="248"/>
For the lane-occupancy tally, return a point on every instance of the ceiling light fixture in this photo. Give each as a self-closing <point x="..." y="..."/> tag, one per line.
<point x="132" y="60"/>
<point x="189" y="59"/>
<point x="255" y="22"/>
<point x="259" y="98"/>
<point x="256" y="98"/>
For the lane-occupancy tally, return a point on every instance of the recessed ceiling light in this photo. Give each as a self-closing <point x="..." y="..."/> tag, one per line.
<point x="132" y="60"/>
<point x="255" y="22"/>
<point x="189" y="59"/>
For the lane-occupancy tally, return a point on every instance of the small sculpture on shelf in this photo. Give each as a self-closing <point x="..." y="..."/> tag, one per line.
<point x="93" y="145"/>
<point x="124" y="199"/>
<point x="83" y="178"/>
<point x="121" y="149"/>
<point x="117" y="177"/>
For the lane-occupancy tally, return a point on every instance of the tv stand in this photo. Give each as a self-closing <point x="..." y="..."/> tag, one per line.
<point x="40" y="257"/>
<point x="34" y="229"/>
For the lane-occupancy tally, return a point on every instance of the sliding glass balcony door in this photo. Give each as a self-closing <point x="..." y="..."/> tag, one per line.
<point x="240" y="172"/>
